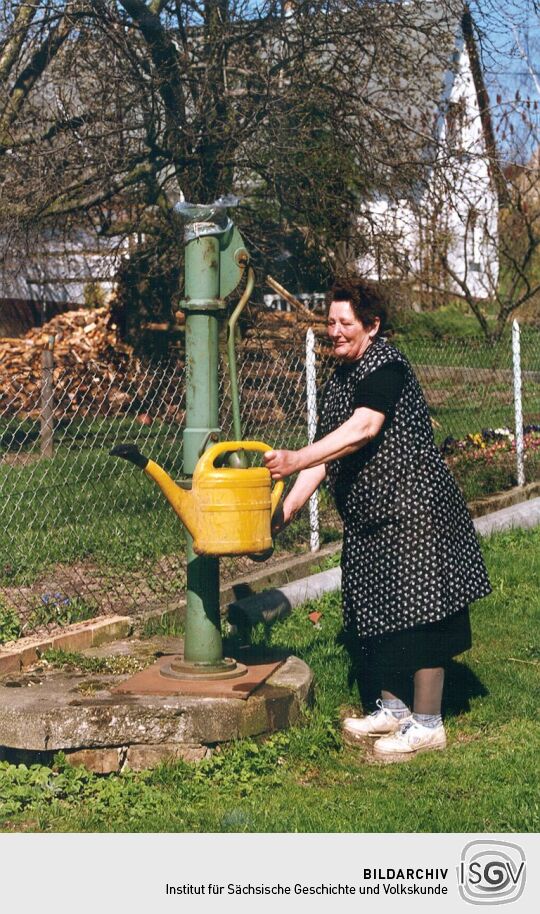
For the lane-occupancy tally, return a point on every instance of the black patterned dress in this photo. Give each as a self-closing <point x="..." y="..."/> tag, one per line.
<point x="411" y="563"/>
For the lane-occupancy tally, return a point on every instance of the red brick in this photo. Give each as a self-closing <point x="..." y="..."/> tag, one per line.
<point x="141" y="757"/>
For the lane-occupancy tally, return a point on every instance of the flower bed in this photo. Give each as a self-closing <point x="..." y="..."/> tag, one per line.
<point x="485" y="462"/>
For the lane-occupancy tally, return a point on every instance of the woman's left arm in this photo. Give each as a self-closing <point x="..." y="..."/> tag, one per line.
<point x="362" y="427"/>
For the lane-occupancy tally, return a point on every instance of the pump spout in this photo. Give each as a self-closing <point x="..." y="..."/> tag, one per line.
<point x="182" y="502"/>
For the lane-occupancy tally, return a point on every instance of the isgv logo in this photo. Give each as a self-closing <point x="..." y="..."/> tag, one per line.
<point x="491" y="872"/>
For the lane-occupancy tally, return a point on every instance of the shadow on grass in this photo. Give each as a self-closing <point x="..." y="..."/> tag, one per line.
<point x="460" y="688"/>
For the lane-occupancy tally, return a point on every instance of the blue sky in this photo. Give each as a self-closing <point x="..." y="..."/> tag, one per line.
<point x="510" y="47"/>
<point x="511" y="42"/>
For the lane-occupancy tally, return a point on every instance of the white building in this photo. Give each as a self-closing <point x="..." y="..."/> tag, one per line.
<point x="445" y="234"/>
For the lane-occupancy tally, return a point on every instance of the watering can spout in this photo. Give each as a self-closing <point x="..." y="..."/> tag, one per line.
<point x="180" y="500"/>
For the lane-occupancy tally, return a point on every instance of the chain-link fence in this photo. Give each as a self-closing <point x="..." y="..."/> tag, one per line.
<point x="84" y="534"/>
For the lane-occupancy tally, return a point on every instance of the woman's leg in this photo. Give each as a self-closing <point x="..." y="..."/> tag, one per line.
<point x="391" y="710"/>
<point x="428" y="690"/>
<point x="396" y="689"/>
<point x="424" y="730"/>
<point x="396" y="692"/>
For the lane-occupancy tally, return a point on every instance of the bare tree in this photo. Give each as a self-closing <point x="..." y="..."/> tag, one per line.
<point x="114" y="110"/>
<point x="200" y="98"/>
<point x="470" y="230"/>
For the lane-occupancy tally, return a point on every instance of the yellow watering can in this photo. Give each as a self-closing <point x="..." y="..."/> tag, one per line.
<point x="228" y="511"/>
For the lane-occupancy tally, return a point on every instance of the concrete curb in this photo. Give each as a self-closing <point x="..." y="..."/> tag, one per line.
<point x="278" y="603"/>
<point x="16" y="656"/>
<point x="525" y="515"/>
<point x="286" y="571"/>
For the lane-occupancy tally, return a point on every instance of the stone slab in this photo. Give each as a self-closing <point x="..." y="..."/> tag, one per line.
<point x="46" y="711"/>
<point x="291" y="676"/>
<point x="151" y="681"/>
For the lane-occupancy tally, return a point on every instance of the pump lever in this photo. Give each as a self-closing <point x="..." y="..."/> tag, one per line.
<point x="240" y="458"/>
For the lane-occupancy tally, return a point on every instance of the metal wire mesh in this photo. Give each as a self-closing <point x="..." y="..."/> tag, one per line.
<point x="469" y="388"/>
<point x="84" y="534"/>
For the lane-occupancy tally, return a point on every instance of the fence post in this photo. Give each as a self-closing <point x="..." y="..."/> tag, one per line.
<point x="311" y="397"/>
<point x="518" y="409"/>
<point x="47" y="400"/>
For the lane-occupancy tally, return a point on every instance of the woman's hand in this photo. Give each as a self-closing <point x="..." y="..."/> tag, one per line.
<point x="304" y="487"/>
<point x="361" y="428"/>
<point x="282" y="463"/>
<point x="282" y="517"/>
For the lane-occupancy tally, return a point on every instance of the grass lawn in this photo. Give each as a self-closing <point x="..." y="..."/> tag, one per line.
<point x="305" y="780"/>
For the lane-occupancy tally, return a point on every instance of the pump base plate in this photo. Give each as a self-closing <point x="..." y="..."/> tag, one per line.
<point x="151" y="681"/>
<point x="184" y="669"/>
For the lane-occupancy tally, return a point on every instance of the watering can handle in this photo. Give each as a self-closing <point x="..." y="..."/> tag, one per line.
<point x="206" y="461"/>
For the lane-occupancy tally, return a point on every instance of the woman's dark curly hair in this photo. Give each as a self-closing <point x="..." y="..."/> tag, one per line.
<point x="366" y="298"/>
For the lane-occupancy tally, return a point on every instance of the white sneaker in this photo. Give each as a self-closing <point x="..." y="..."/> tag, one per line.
<point x="410" y="739"/>
<point x="378" y="723"/>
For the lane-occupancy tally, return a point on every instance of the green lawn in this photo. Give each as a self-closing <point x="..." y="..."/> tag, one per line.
<point x="305" y="780"/>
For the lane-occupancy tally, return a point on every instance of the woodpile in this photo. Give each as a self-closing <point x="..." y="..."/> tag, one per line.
<point x="95" y="374"/>
<point x="85" y="347"/>
<point x="271" y="330"/>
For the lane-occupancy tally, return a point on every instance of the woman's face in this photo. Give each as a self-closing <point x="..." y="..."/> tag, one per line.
<point x="350" y="338"/>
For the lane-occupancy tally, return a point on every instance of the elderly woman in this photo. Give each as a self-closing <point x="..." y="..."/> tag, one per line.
<point x="411" y="564"/>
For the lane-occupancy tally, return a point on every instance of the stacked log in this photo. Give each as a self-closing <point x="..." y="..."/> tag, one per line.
<point x="94" y="373"/>
<point x="86" y="351"/>
<point x="275" y="329"/>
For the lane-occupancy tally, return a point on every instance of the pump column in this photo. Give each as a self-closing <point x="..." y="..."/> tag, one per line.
<point x="203" y="648"/>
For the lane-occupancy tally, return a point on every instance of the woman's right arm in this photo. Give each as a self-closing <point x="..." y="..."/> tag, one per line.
<point x="306" y="483"/>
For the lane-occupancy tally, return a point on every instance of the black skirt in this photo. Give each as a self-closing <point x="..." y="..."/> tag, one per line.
<point x="421" y="647"/>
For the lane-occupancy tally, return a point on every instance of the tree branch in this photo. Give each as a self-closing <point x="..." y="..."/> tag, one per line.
<point x="164" y="57"/>
<point x="35" y="68"/>
<point x="63" y="205"/>
<point x="471" y="301"/>
<point x="12" y="48"/>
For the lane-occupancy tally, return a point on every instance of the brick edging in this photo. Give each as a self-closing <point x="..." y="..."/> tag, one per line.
<point x="17" y="655"/>
<point x="515" y="496"/>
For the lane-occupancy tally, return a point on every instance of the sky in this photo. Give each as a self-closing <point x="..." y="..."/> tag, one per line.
<point x="511" y="41"/>
<point x="510" y="47"/>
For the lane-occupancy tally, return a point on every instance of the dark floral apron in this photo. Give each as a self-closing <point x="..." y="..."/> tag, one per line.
<point x="410" y="551"/>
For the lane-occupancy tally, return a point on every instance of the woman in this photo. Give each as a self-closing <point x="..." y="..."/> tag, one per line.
<point x="411" y="563"/>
